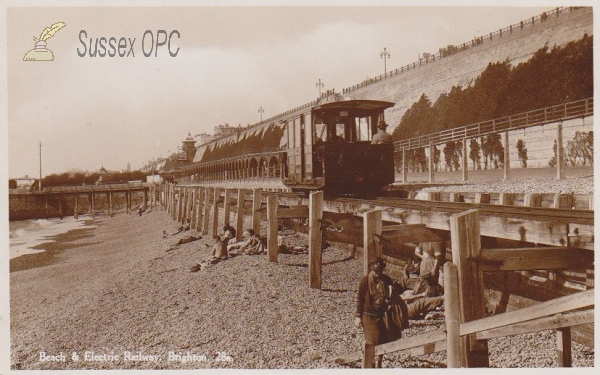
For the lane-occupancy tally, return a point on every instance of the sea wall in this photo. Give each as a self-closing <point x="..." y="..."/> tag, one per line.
<point x="462" y="68"/>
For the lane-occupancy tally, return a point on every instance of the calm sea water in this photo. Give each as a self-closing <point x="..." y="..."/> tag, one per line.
<point x="25" y="234"/>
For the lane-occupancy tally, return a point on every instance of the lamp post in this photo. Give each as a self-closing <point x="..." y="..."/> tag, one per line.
<point x="40" y="166"/>
<point x="385" y="55"/>
<point x="320" y="85"/>
<point x="261" y="111"/>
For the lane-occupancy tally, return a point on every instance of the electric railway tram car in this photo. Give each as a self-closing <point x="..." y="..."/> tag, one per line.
<point x="326" y="147"/>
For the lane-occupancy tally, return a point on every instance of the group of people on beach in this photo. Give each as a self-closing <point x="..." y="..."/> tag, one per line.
<point x="226" y="246"/>
<point x="384" y="306"/>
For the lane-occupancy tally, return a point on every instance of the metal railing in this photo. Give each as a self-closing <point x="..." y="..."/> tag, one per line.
<point x="556" y="113"/>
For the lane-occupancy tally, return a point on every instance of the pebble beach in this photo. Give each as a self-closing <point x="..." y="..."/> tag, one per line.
<point x="113" y="297"/>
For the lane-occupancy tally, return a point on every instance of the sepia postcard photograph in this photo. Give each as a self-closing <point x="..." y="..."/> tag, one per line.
<point x="297" y="185"/>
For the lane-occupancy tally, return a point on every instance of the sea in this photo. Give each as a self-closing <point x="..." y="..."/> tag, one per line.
<point x="25" y="234"/>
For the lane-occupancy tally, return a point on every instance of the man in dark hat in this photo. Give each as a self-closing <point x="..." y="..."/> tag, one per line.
<point x="382" y="137"/>
<point x="373" y="290"/>
<point x="370" y="305"/>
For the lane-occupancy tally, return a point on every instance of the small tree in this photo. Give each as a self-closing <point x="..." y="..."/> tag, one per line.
<point x="475" y="153"/>
<point x="522" y="153"/>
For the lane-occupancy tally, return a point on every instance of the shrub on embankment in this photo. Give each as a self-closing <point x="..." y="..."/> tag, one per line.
<point x="550" y="77"/>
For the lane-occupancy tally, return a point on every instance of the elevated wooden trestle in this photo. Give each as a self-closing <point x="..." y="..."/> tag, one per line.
<point x="92" y="191"/>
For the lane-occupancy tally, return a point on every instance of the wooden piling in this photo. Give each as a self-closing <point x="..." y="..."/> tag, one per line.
<point x="506" y="199"/>
<point x="239" y="226"/>
<point x="145" y="202"/>
<point x="256" y="201"/>
<point x="315" y="238"/>
<point x="215" y="215"/>
<point x="110" y="204"/>
<point x="532" y="200"/>
<point x="452" y="315"/>
<point x="193" y="208"/>
<point x="199" y="211"/>
<point x="188" y="205"/>
<point x="455" y="197"/>
<point x="372" y="228"/>
<point x="482" y="198"/>
<point x="226" y="208"/>
<point x="272" y="247"/>
<point x="466" y="245"/>
<point x="563" y="346"/>
<point x="207" y="198"/>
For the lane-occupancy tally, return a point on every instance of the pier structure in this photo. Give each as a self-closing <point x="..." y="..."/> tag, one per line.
<point x="63" y="201"/>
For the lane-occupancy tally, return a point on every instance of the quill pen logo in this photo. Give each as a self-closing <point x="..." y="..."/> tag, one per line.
<point x="40" y="52"/>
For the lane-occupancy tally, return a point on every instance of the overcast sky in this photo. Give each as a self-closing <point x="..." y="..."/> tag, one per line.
<point x="90" y="112"/>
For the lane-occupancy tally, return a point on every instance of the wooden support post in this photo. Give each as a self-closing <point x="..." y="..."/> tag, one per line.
<point x="199" y="200"/>
<point x="193" y="208"/>
<point x="145" y="202"/>
<point x="181" y="205"/>
<point x="433" y="196"/>
<point x="589" y="279"/>
<point x="188" y="205"/>
<point x="207" y="198"/>
<point x="60" y="204"/>
<point x="563" y="346"/>
<point x="563" y="201"/>
<point x="372" y="228"/>
<point x="560" y="174"/>
<point x="226" y="208"/>
<point x="315" y="238"/>
<point x="452" y="315"/>
<point x="272" y="248"/>
<point x="465" y="160"/>
<point x="455" y="197"/>
<point x="431" y="165"/>
<point x="180" y="202"/>
<point x="482" y="198"/>
<point x="506" y="199"/>
<point x="506" y="157"/>
<point x="368" y="355"/>
<point x="215" y="215"/>
<point x="174" y="199"/>
<point x="404" y="166"/>
<point x="239" y="226"/>
<point x="167" y="196"/>
<point x="110" y="204"/>
<point x="152" y="196"/>
<point x="466" y="244"/>
<point x="256" y="200"/>
<point x="532" y="200"/>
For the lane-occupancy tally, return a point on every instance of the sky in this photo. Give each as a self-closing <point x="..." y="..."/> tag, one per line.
<point x="90" y="112"/>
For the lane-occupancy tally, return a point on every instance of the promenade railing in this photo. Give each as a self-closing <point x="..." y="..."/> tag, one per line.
<point x="552" y="114"/>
